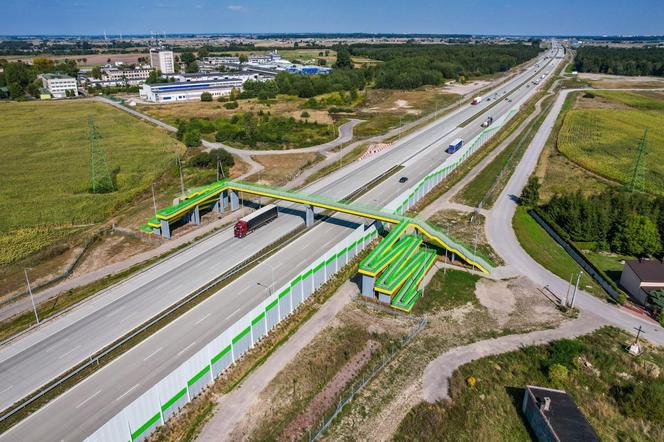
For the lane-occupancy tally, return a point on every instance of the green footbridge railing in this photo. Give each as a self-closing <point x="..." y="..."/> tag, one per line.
<point x="378" y="259"/>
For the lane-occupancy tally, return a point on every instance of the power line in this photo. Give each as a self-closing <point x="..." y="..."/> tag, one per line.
<point x="101" y="177"/>
<point x="638" y="175"/>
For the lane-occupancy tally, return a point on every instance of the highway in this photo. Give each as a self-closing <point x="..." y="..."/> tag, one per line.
<point x="37" y="358"/>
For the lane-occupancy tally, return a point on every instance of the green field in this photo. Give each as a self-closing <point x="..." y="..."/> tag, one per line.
<point x="605" y="140"/>
<point x="45" y="186"/>
<point x="600" y="371"/>
<point x="543" y="249"/>
<point x="447" y="290"/>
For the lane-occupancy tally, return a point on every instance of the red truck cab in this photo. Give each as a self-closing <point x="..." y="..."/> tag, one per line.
<point x="241" y="229"/>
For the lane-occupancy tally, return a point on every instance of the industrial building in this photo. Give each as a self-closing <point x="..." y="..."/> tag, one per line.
<point x="162" y="60"/>
<point x="213" y="76"/>
<point x="190" y="90"/>
<point x="552" y="415"/>
<point x="59" y="85"/>
<point x="134" y="76"/>
<point x="641" y="276"/>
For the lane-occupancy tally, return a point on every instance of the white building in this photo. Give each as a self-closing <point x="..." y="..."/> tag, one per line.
<point x="134" y="76"/>
<point x="189" y="90"/>
<point x="162" y="60"/>
<point x="210" y="76"/>
<point x="641" y="276"/>
<point x="58" y="85"/>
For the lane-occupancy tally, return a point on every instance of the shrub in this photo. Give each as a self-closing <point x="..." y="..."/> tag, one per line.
<point x="206" y="96"/>
<point x="621" y="299"/>
<point x="192" y="138"/>
<point x="305" y="114"/>
<point x="558" y="374"/>
<point x="222" y="99"/>
<point x="564" y="352"/>
<point x="643" y="400"/>
<point x="661" y="319"/>
<point x="231" y="105"/>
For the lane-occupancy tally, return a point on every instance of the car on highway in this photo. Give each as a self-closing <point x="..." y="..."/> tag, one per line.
<point x="403" y="179"/>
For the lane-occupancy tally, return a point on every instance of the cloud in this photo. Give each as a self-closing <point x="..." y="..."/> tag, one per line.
<point x="237" y="8"/>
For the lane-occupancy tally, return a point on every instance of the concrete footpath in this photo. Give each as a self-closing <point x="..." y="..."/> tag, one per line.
<point x="436" y="379"/>
<point x="232" y="408"/>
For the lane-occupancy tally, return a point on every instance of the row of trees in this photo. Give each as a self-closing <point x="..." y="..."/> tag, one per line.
<point x="629" y="223"/>
<point x="305" y="86"/>
<point x="411" y="65"/>
<point x="620" y="61"/>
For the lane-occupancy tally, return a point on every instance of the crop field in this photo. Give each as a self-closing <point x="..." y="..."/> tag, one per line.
<point x="605" y="140"/>
<point x="45" y="184"/>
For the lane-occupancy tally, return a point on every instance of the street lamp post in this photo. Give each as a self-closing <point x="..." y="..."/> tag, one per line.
<point x="576" y="288"/>
<point x="32" y="299"/>
<point x="269" y="289"/>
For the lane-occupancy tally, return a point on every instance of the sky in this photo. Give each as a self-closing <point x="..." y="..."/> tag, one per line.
<point x="512" y="17"/>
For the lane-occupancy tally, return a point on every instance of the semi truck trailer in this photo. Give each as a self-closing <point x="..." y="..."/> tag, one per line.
<point x="255" y="220"/>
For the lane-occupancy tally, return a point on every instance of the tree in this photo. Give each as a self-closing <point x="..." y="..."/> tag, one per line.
<point x="203" y="52"/>
<point x="206" y="96"/>
<point x="243" y="58"/>
<point x="187" y="58"/>
<point x="191" y="68"/>
<point x="321" y="62"/>
<point x="530" y="194"/>
<point x="231" y="105"/>
<point x="656" y="298"/>
<point x="637" y="235"/>
<point x="305" y="115"/>
<point x="43" y="64"/>
<point x="96" y="72"/>
<point x="343" y="58"/>
<point x="192" y="138"/>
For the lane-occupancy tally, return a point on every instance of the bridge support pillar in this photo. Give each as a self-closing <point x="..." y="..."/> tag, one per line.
<point x="196" y="216"/>
<point x="165" y="229"/>
<point x="383" y="298"/>
<point x="368" y="286"/>
<point x="220" y="206"/>
<point x="235" y="201"/>
<point x="309" y="216"/>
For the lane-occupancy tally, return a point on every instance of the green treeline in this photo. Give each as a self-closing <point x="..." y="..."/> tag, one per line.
<point x="629" y="223"/>
<point x="620" y="61"/>
<point x="305" y="86"/>
<point x="410" y="66"/>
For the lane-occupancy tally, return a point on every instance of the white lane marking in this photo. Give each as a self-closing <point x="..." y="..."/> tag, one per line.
<point x="186" y="348"/>
<point x="7" y="389"/>
<point x="127" y="392"/>
<point x="152" y="354"/>
<point x="88" y="399"/>
<point x="203" y="318"/>
<point x="65" y="354"/>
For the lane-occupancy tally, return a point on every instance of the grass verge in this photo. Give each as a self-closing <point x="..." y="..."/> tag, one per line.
<point x="543" y="249"/>
<point x="447" y="289"/>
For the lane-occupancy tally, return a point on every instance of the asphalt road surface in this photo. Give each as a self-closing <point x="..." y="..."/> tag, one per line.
<point x="37" y="358"/>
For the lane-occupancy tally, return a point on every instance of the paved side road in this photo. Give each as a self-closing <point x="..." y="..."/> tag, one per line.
<point x="502" y="238"/>
<point x="435" y="381"/>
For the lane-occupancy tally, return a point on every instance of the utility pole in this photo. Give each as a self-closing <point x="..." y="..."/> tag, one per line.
<point x="32" y="299"/>
<point x="177" y="159"/>
<point x="576" y="288"/>
<point x="569" y="286"/>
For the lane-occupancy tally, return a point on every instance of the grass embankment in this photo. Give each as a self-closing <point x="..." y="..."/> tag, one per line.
<point x="543" y="249"/>
<point x="600" y="374"/>
<point x="467" y="228"/>
<point x="489" y="183"/>
<point x="386" y="109"/>
<point x="280" y="169"/>
<point x="447" y="289"/>
<point x="45" y="189"/>
<point x="604" y="137"/>
<point x="334" y="166"/>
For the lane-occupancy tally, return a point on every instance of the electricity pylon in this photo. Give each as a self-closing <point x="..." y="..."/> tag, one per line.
<point x="101" y="177"/>
<point x="638" y="174"/>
